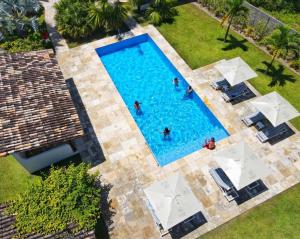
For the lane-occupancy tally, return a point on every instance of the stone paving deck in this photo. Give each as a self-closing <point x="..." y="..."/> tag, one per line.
<point x="130" y="166"/>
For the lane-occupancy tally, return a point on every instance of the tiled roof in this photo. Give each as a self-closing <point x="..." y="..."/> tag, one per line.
<point x="8" y="230"/>
<point x="36" y="108"/>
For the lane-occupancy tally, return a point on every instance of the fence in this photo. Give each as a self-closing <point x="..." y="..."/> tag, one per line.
<point x="257" y="16"/>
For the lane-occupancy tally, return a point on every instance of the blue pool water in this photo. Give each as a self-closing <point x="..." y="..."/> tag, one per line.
<point x="140" y="71"/>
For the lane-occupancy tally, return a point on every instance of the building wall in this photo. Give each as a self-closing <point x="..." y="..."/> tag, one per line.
<point x="46" y="158"/>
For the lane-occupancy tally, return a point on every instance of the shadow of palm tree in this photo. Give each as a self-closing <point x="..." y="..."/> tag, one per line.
<point x="233" y="43"/>
<point x="277" y="74"/>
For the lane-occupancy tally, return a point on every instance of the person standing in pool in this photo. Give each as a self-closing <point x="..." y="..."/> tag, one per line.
<point x="166" y="132"/>
<point x="188" y="92"/>
<point x="137" y="106"/>
<point x="176" y="82"/>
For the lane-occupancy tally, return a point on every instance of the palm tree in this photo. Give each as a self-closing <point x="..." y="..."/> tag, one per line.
<point x="118" y="16"/>
<point x="282" y="40"/>
<point x="160" y="11"/>
<point x="99" y="14"/>
<point x="110" y="17"/>
<point x="137" y="4"/>
<point x="71" y="19"/>
<point x="236" y="8"/>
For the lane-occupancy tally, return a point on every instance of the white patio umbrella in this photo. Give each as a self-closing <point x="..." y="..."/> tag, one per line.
<point x="235" y="70"/>
<point x="241" y="164"/>
<point x="172" y="200"/>
<point x="275" y="108"/>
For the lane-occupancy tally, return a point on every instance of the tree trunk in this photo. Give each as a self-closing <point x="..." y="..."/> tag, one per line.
<point x="228" y="27"/>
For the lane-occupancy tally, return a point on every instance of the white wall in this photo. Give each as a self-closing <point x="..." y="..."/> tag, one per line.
<point x="46" y="158"/>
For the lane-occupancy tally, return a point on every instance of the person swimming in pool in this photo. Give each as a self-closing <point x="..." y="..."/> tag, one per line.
<point x="137" y="106"/>
<point x="166" y="132"/>
<point x="210" y="144"/>
<point x="176" y="82"/>
<point x="188" y="92"/>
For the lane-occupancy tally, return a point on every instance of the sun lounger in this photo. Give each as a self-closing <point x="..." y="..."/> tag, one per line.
<point x="236" y="93"/>
<point x="224" y="183"/>
<point x="219" y="84"/>
<point x="271" y="133"/>
<point x="252" y="119"/>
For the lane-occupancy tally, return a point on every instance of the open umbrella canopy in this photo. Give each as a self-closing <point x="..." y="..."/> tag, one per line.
<point x="172" y="200"/>
<point x="235" y="70"/>
<point x="275" y="108"/>
<point x="241" y="164"/>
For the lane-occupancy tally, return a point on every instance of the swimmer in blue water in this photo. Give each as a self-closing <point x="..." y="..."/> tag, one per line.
<point x="166" y="132"/>
<point x="137" y="106"/>
<point x="176" y="82"/>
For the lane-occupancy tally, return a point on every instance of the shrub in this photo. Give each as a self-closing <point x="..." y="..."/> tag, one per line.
<point x="72" y="18"/>
<point x="66" y="195"/>
<point x="296" y="64"/>
<point x="161" y="11"/>
<point x="32" y="42"/>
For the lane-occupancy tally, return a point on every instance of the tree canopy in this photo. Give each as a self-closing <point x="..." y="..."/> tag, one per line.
<point x="67" y="195"/>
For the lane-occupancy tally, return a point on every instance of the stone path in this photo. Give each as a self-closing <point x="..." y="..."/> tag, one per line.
<point x="58" y="41"/>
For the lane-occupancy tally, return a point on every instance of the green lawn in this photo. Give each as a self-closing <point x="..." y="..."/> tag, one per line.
<point x="13" y="178"/>
<point x="277" y="218"/>
<point x="198" y="39"/>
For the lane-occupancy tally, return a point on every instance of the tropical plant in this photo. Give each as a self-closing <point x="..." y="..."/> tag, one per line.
<point x="66" y="195"/>
<point x="71" y="18"/>
<point x="282" y="40"/>
<point x="16" y="16"/>
<point x="236" y="8"/>
<point x="99" y="14"/>
<point x="110" y="17"/>
<point x="137" y="4"/>
<point x="118" y="16"/>
<point x="161" y="11"/>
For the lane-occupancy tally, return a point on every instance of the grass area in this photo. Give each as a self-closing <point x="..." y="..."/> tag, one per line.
<point x="197" y="37"/>
<point x="13" y="178"/>
<point x="277" y="218"/>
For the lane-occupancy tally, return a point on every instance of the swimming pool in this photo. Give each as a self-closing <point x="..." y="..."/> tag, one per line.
<point x="141" y="72"/>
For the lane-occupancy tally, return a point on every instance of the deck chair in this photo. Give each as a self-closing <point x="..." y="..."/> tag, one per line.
<point x="253" y="118"/>
<point x="235" y="93"/>
<point x="224" y="183"/>
<point x="271" y="133"/>
<point x="219" y="84"/>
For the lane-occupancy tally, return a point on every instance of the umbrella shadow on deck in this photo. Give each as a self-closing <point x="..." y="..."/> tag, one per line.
<point x="187" y="226"/>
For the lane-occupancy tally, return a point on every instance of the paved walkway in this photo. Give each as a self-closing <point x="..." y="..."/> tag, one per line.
<point x="130" y="166"/>
<point x="58" y="41"/>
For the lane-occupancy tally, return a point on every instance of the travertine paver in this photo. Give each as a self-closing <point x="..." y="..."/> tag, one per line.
<point x="130" y="166"/>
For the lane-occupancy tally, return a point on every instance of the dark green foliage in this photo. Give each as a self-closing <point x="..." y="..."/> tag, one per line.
<point x="78" y="19"/>
<point x="161" y="11"/>
<point x="278" y="5"/>
<point x="137" y="4"/>
<point x="66" y="195"/>
<point x="236" y="9"/>
<point x="30" y="41"/>
<point x="282" y="41"/>
<point x="71" y="18"/>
